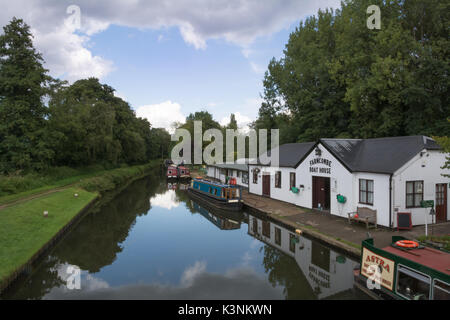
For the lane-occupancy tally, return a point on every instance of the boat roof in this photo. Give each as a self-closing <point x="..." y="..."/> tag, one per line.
<point x="214" y="183"/>
<point x="432" y="258"/>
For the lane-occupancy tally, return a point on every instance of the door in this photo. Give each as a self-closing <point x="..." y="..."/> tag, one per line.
<point x="321" y="192"/>
<point x="441" y="202"/>
<point x="266" y="185"/>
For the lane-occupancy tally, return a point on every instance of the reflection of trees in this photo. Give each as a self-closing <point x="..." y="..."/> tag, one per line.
<point x="284" y="271"/>
<point x="95" y="242"/>
<point x="37" y="284"/>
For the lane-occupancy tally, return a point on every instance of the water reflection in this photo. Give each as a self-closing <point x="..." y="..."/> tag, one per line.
<point x="153" y="242"/>
<point x="320" y="272"/>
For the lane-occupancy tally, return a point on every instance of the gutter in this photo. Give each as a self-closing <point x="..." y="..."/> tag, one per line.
<point x="390" y="200"/>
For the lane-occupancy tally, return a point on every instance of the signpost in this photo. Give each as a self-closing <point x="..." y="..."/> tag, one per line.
<point x="428" y="204"/>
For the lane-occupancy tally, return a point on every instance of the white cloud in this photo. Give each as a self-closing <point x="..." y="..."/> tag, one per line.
<point x="242" y="121"/>
<point x="67" y="51"/>
<point x="167" y="200"/>
<point x="162" y="115"/>
<point x="192" y="272"/>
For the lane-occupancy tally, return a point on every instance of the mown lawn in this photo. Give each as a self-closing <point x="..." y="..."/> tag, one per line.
<point x="24" y="230"/>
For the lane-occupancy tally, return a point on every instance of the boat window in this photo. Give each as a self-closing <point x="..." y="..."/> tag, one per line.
<point x="441" y="290"/>
<point x="412" y="285"/>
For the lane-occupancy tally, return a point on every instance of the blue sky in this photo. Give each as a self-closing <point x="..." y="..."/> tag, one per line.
<point x="167" y="58"/>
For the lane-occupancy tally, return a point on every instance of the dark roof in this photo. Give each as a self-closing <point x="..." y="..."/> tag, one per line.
<point x="380" y="155"/>
<point x="234" y="166"/>
<point x="292" y="153"/>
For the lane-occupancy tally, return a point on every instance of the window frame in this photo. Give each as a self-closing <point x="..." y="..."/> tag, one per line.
<point x="278" y="180"/>
<point x="403" y="267"/>
<point x="292" y="174"/>
<point x="367" y="191"/>
<point x="255" y="177"/>
<point x="414" y="193"/>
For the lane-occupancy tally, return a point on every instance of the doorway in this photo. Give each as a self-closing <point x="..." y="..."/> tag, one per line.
<point x="321" y="193"/>
<point x="441" y="202"/>
<point x="266" y="185"/>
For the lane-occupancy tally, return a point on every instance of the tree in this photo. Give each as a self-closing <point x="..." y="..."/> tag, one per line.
<point x="23" y="84"/>
<point x="337" y="78"/>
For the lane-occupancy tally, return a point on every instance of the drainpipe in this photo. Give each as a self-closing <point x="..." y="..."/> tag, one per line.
<point x="390" y="201"/>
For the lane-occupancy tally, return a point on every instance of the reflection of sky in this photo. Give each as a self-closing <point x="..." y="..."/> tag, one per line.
<point x="163" y="244"/>
<point x="174" y="251"/>
<point x="167" y="200"/>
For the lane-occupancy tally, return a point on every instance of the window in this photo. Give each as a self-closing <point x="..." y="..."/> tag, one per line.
<point x="291" y="180"/>
<point x="266" y="229"/>
<point x="245" y="178"/>
<point x="292" y="241"/>
<point x="412" y="285"/>
<point x="441" y="290"/>
<point x="255" y="177"/>
<point x="278" y="179"/>
<point x="366" y="191"/>
<point x="255" y="226"/>
<point x="414" y="193"/>
<point x="278" y="236"/>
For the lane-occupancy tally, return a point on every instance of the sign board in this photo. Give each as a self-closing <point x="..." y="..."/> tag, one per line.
<point x="377" y="268"/>
<point x="427" y="203"/>
<point x="404" y="220"/>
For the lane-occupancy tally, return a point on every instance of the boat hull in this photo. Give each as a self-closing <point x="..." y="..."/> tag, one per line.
<point x="211" y="202"/>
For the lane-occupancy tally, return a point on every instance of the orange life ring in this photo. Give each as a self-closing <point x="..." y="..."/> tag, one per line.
<point x="407" y="244"/>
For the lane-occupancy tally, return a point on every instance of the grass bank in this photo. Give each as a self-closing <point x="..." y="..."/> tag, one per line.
<point x="96" y="178"/>
<point x="24" y="230"/>
<point x="25" y="233"/>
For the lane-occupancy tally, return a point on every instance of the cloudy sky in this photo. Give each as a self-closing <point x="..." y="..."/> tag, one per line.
<point x="167" y="58"/>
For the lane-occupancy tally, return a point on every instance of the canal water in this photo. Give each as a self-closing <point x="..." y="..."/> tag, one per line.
<point x="152" y="242"/>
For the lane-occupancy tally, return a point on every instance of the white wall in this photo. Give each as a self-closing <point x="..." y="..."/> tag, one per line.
<point x="214" y="172"/>
<point x="430" y="173"/>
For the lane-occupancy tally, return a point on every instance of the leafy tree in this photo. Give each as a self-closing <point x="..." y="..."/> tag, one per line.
<point x="23" y="84"/>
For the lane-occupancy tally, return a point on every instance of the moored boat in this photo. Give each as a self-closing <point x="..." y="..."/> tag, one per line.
<point x="183" y="172"/>
<point x="172" y="172"/>
<point x="406" y="270"/>
<point x="217" y="195"/>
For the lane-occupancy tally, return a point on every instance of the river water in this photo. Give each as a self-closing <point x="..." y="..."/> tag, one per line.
<point x="152" y="242"/>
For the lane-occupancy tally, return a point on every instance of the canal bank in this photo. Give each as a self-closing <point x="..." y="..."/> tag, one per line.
<point x="334" y="231"/>
<point x="152" y="241"/>
<point x="26" y="234"/>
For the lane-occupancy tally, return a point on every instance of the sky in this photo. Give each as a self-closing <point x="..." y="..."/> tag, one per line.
<point x="167" y="58"/>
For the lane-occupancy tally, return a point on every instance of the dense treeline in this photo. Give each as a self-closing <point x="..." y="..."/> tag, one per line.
<point x="208" y="122"/>
<point x="45" y="122"/>
<point x="337" y="78"/>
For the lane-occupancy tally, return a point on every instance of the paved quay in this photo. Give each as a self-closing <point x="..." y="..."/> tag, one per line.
<point x="332" y="229"/>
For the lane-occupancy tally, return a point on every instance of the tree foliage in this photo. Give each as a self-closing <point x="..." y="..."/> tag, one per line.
<point x="337" y="78"/>
<point x="80" y="124"/>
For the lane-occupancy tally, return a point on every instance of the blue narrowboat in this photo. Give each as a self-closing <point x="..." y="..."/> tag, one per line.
<point x="217" y="195"/>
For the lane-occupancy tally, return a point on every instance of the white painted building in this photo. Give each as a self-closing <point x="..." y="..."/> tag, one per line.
<point x="327" y="272"/>
<point x="222" y="171"/>
<point x="389" y="175"/>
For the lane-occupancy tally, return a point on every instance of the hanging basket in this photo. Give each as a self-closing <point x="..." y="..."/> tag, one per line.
<point x="295" y="190"/>
<point x="341" y="199"/>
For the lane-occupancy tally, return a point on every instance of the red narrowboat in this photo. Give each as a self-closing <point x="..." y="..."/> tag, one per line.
<point x="183" y="172"/>
<point x="172" y="172"/>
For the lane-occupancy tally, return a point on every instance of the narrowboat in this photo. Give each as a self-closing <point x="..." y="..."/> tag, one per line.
<point x="224" y="220"/>
<point x="183" y="172"/>
<point x="405" y="270"/>
<point x="216" y="195"/>
<point x="172" y="172"/>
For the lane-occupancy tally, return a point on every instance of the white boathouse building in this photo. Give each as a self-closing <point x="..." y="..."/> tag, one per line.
<point x="390" y="175"/>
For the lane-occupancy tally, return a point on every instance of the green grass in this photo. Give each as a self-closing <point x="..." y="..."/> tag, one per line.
<point x="24" y="230"/>
<point x="445" y="240"/>
<point x="96" y="178"/>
